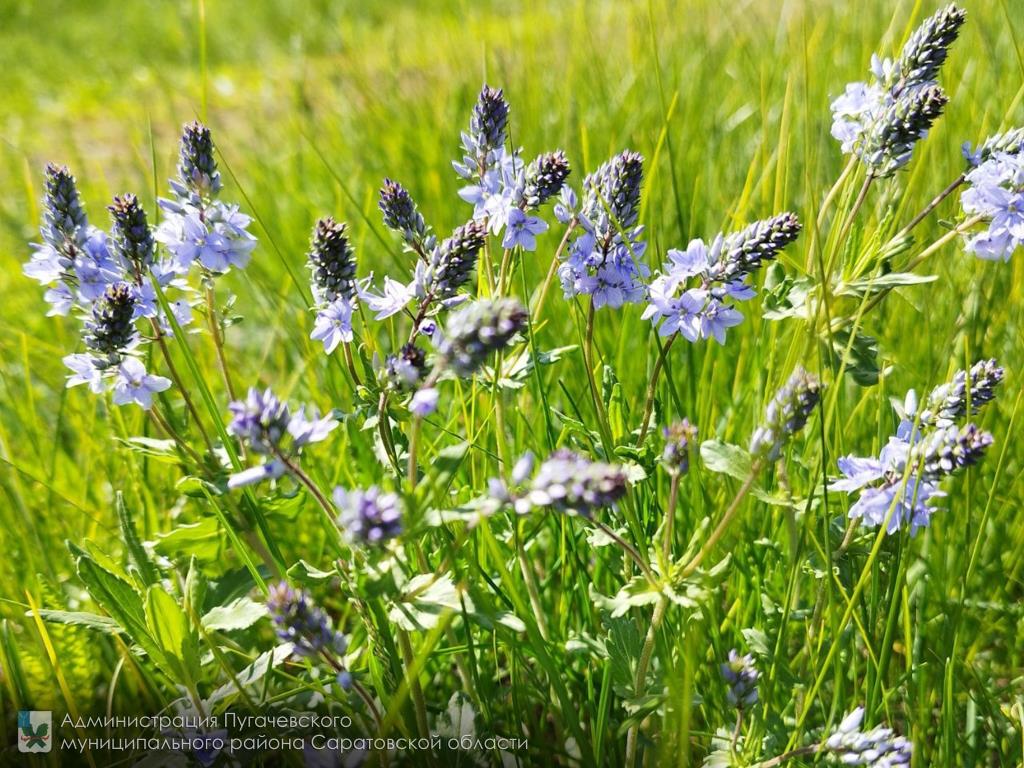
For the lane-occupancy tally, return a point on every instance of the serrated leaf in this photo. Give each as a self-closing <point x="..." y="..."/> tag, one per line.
<point x="726" y="458"/>
<point x="136" y="551"/>
<point x="253" y="673"/>
<point x="304" y="573"/>
<point x="240" y="613"/>
<point x="94" y="621"/>
<point x="425" y="599"/>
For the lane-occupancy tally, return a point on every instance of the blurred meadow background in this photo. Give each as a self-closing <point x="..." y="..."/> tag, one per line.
<point x="313" y="103"/>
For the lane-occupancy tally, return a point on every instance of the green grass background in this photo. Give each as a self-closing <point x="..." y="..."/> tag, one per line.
<point x="313" y="103"/>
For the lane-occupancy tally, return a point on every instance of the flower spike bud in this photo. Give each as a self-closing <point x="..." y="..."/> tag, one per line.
<point x="401" y="214"/>
<point x="889" y="143"/>
<point x="926" y="50"/>
<point x="197" y="167"/>
<point x="545" y="177"/>
<point x="111" y="329"/>
<point x="331" y="261"/>
<point x="475" y="332"/>
<point x="786" y="414"/>
<point x="131" y="236"/>
<point x="65" y="224"/>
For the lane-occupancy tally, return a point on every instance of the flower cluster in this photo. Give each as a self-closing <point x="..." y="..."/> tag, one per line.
<point x="880" y="121"/>
<point x="108" y="281"/>
<point x="197" y="226"/>
<point x="402" y="216"/>
<point x="268" y="427"/>
<point x="565" y="482"/>
<point x="896" y="487"/>
<point x="880" y="747"/>
<point x="478" y="330"/>
<point x="996" y="195"/>
<point x="503" y="190"/>
<point x="299" y="621"/>
<point x="603" y="261"/>
<point x="680" y="437"/>
<point x="963" y="396"/>
<point x="333" y="270"/>
<point x="787" y="413"/>
<point x="370" y="516"/>
<point x="691" y="295"/>
<point x="741" y="675"/>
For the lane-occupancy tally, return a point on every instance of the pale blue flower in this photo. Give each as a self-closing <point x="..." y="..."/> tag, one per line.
<point x="424" y="402"/>
<point x="390" y="301"/>
<point x="84" y="371"/>
<point x="134" y="385"/>
<point x="310" y="429"/>
<point x="271" y="470"/>
<point x="996" y="193"/>
<point x="334" y="324"/>
<point x="522" y="230"/>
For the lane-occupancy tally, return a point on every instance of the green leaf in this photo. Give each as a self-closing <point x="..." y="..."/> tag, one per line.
<point x="136" y="551"/>
<point x="253" y="673"/>
<point x="164" y="451"/>
<point x="170" y="628"/>
<point x="103" y="624"/>
<point x="304" y="573"/>
<point x="870" y="285"/>
<point x="424" y="600"/>
<point x="240" y="613"/>
<point x="726" y="459"/>
<point x="204" y="539"/>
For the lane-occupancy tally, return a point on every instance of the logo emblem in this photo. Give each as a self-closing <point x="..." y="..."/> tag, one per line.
<point x="35" y="731"/>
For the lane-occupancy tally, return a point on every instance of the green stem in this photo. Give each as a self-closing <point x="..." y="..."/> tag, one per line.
<point x="218" y="338"/>
<point x="723" y="524"/>
<point x="419" y="703"/>
<point x="652" y="388"/>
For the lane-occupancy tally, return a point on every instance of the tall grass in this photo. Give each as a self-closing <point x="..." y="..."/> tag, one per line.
<point x="312" y="104"/>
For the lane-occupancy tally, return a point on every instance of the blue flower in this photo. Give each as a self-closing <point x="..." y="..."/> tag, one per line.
<point x="424" y="402"/>
<point x="85" y="370"/>
<point x="996" y="194"/>
<point x="522" y="230"/>
<point x="267" y="426"/>
<point x="368" y="517"/>
<point x="889" y="495"/>
<point x="134" y="385"/>
<point x="390" y="301"/>
<point x="879" y="747"/>
<point x="334" y="324"/>
<point x="310" y="429"/>
<point x="216" y="236"/>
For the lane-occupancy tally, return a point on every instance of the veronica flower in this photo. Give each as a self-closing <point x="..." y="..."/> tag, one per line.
<point x="197" y="226"/>
<point x="1009" y="142"/>
<point x="268" y="427"/>
<point x="369" y="517"/>
<point x="741" y="674"/>
<point x="895" y="488"/>
<point x="392" y="299"/>
<point x="333" y="324"/>
<point x="996" y="194"/>
<point x="544" y="178"/>
<point x="522" y="230"/>
<point x="453" y="261"/>
<point x="691" y="295"/>
<point x="134" y="385"/>
<point x="424" y="401"/>
<point x="407" y="369"/>
<point x="84" y="370"/>
<point x="570" y="483"/>
<point x="880" y="121"/>
<point x="787" y="413"/>
<point x="888" y="494"/>
<point x="478" y="330"/>
<point x="331" y="262"/>
<point x="879" y="747"/>
<point x="679" y="439"/>
<point x="300" y="622"/>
